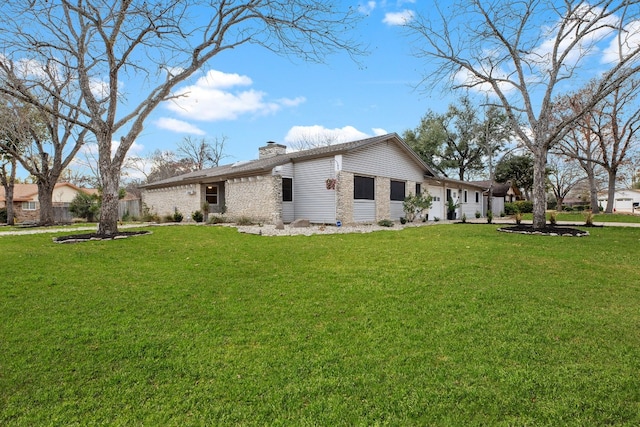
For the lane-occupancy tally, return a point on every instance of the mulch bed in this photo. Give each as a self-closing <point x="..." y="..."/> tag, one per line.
<point x="76" y="238"/>
<point x="546" y="231"/>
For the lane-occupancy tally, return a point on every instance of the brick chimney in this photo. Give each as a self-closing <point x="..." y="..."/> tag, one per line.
<point x="272" y="149"/>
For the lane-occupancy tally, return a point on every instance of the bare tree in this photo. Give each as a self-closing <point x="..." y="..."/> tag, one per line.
<point x="616" y="129"/>
<point x="8" y="166"/>
<point x="564" y="175"/>
<point x="523" y="52"/>
<point x="122" y="50"/>
<point x="201" y="152"/>
<point x="308" y="140"/>
<point x="47" y="144"/>
<point x="580" y="142"/>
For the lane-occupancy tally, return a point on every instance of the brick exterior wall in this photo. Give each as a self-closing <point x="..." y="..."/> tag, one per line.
<point x="163" y="201"/>
<point x="258" y="198"/>
<point x="383" y="200"/>
<point x="344" y="207"/>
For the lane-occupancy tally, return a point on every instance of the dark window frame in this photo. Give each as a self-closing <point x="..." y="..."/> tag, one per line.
<point x="212" y="196"/>
<point x="287" y="189"/>
<point x="364" y="187"/>
<point x="398" y="190"/>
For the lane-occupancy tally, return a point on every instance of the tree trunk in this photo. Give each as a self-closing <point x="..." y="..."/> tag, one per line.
<point x="8" y="184"/>
<point x="108" y="225"/>
<point x="593" y="191"/>
<point x="611" y="191"/>
<point x="45" y="200"/>
<point x="559" y="202"/>
<point x="539" y="188"/>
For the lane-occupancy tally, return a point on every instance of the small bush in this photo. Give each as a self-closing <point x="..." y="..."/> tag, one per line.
<point x="478" y="214"/>
<point x="3" y="215"/>
<point x="85" y="206"/>
<point x="177" y="216"/>
<point x="244" y="220"/>
<point x="403" y="220"/>
<point x="436" y="219"/>
<point x="464" y="218"/>
<point x="385" y="223"/>
<point x="148" y="215"/>
<point x="217" y="219"/>
<point x="489" y="217"/>
<point x="198" y="216"/>
<point x="553" y="218"/>
<point x="522" y="206"/>
<point x="518" y="218"/>
<point x="588" y="221"/>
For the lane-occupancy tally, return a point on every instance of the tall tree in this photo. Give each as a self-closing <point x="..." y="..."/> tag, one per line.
<point x="523" y="53"/>
<point x="8" y="168"/>
<point x="147" y="47"/>
<point x="580" y="143"/>
<point x="450" y="141"/>
<point x="201" y="152"/>
<point x="616" y="129"/>
<point x="517" y="169"/>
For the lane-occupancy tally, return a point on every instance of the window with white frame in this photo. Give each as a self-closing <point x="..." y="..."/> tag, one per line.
<point x="287" y="189"/>
<point x="29" y="206"/>
<point x="477" y="197"/>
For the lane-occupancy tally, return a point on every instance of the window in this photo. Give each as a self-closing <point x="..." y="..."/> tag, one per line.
<point x="29" y="206"/>
<point x="211" y="194"/>
<point x="477" y="197"/>
<point x="465" y="196"/>
<point x="418" y="189"/>
<point x="363" y="188"/>
<point x="287" y="189"/>
<point x="397" y="190"/>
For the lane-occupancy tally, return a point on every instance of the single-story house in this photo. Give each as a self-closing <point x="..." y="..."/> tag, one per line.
<point x="354" y="182"/>
<point x="626" y="201"/>
<point x="26" y="206"/>
<point x="502" y="192"/>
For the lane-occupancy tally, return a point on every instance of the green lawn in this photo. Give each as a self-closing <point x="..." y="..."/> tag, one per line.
<point x="440" y="325"/>
<point x="580" y="217"/>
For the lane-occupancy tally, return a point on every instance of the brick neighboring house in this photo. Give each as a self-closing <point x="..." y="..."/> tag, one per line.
<point x="25" y="199"/>
<point x="355" y="182"/>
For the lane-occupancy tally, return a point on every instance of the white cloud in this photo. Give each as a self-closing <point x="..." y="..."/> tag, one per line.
<point x="620" y="47"/>
<point x="399" y="18"/>
<point x="322" y="135"/>
<point x="176" y="125"/>
<point x="379" y="131"/>
<point x="367" y="8"/>
<point x="213" y="98"/>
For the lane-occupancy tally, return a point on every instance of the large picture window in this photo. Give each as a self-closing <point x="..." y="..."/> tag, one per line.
<point x="397" y="190"/>
<point x="287" y="189"/>
<point x="211" y="194"/>
<point x="363" y="188"/>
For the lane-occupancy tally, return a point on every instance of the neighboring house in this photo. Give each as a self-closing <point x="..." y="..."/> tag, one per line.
<point x="26" y="206"/>
<point x="359" y="181"/>
<point x="626" y="201"/>
<point x="502" y="193"/>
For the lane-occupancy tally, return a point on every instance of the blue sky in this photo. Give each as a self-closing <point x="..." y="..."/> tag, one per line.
<point x="250" y="95"/>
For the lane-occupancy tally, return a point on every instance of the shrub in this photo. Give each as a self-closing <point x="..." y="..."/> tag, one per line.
<point x="522" y="206"/>
<point x="489" y="217"/>
<point x="553" y="218"/>
<point x="217" y="219"/>
<point x="464" y="218"/>
<point x="436" y="219"/>
<point x="588" y="221"/>
<point x="148" y="215"/>
<point x="85" y="206"/>
<point x="518" y="218"/>
<point x="3" y="215"/>
<point x="177" y="216"/>
<point x="478" y="214"/>
<point x="244" y="220"/>
<point x="198" y="216"/>
<point x="414" y="204"/>
<point x="385" y="223"/>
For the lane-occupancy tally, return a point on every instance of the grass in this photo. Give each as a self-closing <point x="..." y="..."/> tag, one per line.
<point x="580" y="217"/>
<point x="441" y="325"/>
